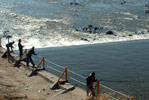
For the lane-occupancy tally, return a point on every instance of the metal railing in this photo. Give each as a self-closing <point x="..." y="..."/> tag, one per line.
<point x="41" y="62"/>
<point x="96" y="87"/>
<point x="65" y="72"/>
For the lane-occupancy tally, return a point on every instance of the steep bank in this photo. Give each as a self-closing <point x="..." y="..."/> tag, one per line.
<point x="16" y="85"/>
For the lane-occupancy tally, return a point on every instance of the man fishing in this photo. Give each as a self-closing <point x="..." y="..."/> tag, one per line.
<point x="29" y="57"/>
<point x="90" y="81"/>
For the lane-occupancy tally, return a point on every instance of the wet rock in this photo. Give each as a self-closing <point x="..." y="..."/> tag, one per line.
<point x="92" y="29"/>
<point x="84" y="39"/>
<point x="147" y="5"/>
<point x="130" y="35"/>
<point x="123" y="2"/>
<point x="109" y="33"/>
<point x="147" y="11"/>
<point x="90" y="26"/>
<point x="77" y="30"/>
<point x="74" y="3"/>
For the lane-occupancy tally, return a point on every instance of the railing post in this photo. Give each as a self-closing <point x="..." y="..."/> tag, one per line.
<point x="131" y="98"/>
<point x="96" y="87"/>
<point x="98" y="93"/>
<point x="0" y="43"/>
<point x="43" y="62"/>
<point x="66" y="74"/>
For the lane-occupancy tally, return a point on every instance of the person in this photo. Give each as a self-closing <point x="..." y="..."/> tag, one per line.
<point x="8" y="46"/>
<point x="90" y="81"/>
<point x="29" y="56"/>
<point x="20" y="48"/>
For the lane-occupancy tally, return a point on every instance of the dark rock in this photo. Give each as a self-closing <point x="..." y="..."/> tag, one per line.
<point x="77" y="30"/>
<point x="130" y="35"/>
<point x="123" y="2"/>
<point x="90" y="26"/>
<point x="84" y="39"/>
<point x="147" y="11"/>
<point x="71" y="3"/>
<point x="109" y="33"/>
<point x="74" y="3"/>
<point x="96" y="28"/>
<point x="85" y="28"/>
<point x="147" y="5"/>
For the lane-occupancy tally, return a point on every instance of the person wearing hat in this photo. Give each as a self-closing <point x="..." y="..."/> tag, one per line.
<point x="90" y="81"/>
<point x="20" y="48"/>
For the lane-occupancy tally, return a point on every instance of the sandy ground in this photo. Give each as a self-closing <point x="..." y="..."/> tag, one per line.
<point x="16" y="85"/>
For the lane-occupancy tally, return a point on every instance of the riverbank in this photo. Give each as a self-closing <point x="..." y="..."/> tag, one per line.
<point x="16" y="85"/>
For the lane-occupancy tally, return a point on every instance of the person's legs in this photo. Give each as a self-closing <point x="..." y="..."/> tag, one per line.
<point x="27" y="61"/>
<point x="8" y="52"/>
<point x="91" y="88"/>
<point x="32" y="61"/>
<point x="21" y="53"/>
<point x="87" y="89"/>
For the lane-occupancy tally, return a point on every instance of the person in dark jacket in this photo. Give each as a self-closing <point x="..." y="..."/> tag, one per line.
<point x="10" y="45"/>
<point x="20" y="48"/>
<point x="29" y="56"/>
<point x="90" y="81"/>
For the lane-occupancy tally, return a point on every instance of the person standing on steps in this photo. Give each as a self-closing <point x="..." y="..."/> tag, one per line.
<point x="29" y="57"/>
<point x="90" y="81"/>
<point x="20" y="48"/>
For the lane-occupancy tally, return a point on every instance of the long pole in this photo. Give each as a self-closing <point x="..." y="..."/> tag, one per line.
<point x="8" y="51"/>
<point x="0" y="43"/>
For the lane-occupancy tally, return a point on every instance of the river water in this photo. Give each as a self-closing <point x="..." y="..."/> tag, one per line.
<point x="122" y="66"/>
<point x="54" y="23"/>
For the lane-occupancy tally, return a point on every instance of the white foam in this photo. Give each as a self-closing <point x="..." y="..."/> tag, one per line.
<point x="28" y="29"/>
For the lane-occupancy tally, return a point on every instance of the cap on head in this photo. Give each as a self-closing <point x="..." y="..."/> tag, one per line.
<point x="93" y="73"/>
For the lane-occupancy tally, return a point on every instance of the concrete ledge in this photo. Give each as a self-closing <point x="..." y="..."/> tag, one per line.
<point x="43" y="73"/>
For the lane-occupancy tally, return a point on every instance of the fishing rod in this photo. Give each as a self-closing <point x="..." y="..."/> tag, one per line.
<point x="139" y="81"/>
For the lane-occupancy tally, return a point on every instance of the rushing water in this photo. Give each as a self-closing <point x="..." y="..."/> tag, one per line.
<point x="52" y="23"/>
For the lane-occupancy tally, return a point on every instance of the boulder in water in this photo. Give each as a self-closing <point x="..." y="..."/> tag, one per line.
<point x="147" y="11"/>
<point x="109" y="33"/>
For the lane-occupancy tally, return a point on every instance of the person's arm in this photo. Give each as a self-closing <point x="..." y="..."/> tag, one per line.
<point x="95" y="80"/>
<point x="11" y="48"/>
<point x="34" y="53"/>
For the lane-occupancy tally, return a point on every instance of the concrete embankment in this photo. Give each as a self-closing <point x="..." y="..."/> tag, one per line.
<point x="66" y="91"/>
